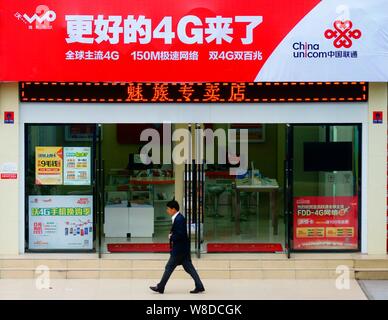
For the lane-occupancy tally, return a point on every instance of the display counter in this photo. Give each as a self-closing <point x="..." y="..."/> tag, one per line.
<point x="135" y="204"/>
<point x="124" y="221"/>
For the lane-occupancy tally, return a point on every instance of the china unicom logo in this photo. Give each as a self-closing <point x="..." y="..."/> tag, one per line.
<point x="343" y="33"/>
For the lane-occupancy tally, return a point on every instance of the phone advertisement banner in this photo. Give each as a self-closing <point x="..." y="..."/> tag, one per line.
<point x="60" y="222"/>
<point x="325" y="223"/>
<point x="194" y="40"/>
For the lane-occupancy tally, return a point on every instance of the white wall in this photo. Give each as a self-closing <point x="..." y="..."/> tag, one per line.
<point x="377" y="171"/>
<point x="191" y="113"/>
<point x="9" y="153"/>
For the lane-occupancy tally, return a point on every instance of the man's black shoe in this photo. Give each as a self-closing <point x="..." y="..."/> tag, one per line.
<point x="156" y="289"/>
<point x="197" y="290"/>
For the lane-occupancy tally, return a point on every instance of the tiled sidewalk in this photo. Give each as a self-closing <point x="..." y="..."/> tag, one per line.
<point x="119" y="289"/>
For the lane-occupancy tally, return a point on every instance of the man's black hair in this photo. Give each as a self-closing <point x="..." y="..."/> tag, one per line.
<point x="173" y="205"/>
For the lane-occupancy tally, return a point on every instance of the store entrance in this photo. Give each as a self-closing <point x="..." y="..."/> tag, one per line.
<point x="244" y="202"/>
<point x="243" y="187"/>
<point x="229" y="208"/>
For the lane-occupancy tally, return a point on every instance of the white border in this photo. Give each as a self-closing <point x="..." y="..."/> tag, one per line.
<point x="196" y="113"/>
<point x="193" y="113"/>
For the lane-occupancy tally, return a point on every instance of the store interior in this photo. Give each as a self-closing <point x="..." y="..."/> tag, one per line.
<point x="148" y="189"/>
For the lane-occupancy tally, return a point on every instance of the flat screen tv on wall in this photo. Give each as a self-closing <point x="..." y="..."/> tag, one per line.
<point x="328" y="156"/>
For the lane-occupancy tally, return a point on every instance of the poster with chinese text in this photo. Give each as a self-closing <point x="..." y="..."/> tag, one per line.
<point x="48" y="165"/>
<point x="60" y="222"/>
<point x="77" y="168"/>
<point x="325" y="223"/>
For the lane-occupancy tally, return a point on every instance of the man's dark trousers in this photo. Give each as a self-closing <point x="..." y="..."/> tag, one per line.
<point x="185" y="261"/>
<point x="180" y="253"/>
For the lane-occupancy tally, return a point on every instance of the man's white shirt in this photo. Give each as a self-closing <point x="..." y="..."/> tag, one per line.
<point x="174" y="216"/>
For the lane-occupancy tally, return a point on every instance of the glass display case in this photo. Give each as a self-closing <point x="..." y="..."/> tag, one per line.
<point x="139" y="187"/>
<point x="155" y="191"/>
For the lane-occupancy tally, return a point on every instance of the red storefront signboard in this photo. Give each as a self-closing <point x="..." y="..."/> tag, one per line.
<point x="325" y="223"/>
<point x="193" y="40"/>
<point x="8" y="176"/>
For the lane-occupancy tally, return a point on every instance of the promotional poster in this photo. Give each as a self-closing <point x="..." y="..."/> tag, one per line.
<point x="48" y="165"/>
<point x="77" y="168"/>
<point x="218" y="40"/>
<point x="60" y="222"/>
<point x="325" y="223"/>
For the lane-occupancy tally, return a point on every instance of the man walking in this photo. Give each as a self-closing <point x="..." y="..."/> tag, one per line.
<point x="179" y="250"/>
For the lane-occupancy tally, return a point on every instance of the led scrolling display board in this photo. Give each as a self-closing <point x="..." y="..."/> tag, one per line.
<point x="215" y="92"/>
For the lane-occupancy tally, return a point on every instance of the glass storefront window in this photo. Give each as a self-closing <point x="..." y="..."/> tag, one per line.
<point x="59" y="187"/>
<point x="326" y="188"/>
<point x="72" y="178"/>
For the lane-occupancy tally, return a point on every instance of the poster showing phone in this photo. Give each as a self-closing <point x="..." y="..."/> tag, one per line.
<point x="60" y="222"/>
<point x="77" y="169"/>
<point x="48" y="165"/>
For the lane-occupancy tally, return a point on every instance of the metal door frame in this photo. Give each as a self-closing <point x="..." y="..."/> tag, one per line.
<point x="194" y="178"/>
<point x="100" y="189"/>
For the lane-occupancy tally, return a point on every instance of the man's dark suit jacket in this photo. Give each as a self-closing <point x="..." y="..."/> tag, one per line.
<point x="179" y="240"/>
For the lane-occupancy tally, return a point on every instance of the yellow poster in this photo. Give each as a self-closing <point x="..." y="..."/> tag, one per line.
<point x="48" y="165"/>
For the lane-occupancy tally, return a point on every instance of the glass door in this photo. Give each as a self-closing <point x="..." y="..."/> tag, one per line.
<point x="324" y="170"/>
<point x="244" y="187"/>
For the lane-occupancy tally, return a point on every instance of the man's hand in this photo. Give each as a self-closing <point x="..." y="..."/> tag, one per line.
<point x="169" y="236"/>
